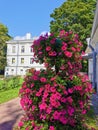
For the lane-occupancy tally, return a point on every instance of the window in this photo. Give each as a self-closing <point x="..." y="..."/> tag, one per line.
<point x="13" y="60"/>
<point x="13" y="49"/>
<point x="22" y="60"/>
<point x="31" y="60"/>
<point x="7" y="69"/>
<point x="22" y="49"/>
<point x="21" y="70"/>
<point x="12" y="70"/>
<point x="31" y="49"/>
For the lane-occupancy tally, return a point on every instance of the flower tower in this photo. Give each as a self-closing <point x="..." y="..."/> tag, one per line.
<point x="57" y="97"/>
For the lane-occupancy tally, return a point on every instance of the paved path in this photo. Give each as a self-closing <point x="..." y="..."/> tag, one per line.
<point x="10" y="114"/>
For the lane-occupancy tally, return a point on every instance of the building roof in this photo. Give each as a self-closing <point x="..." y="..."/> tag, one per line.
<point x="23" y="39"/>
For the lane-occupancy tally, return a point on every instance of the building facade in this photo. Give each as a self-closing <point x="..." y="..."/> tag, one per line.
<point x="20" y="57"/>
<point x="92" y="52"/>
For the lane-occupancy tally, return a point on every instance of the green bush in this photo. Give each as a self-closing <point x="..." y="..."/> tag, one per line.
<point x="10" y="82"/>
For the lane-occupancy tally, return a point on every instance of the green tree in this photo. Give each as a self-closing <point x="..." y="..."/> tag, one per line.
<point x="3" y="38"/>
<point x="75" y="15"/>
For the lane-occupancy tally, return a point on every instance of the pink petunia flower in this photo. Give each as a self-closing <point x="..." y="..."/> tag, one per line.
<point x="20" y="124"/>
<point x="49" y="110"/>
<point x="33" y="107"/>
<point x="64" y="48"/>
<point x="43" y="106"/>
<point x="42" y="79"/>
<point x="52" y="89"/>
<point x="56" y="115"/>
<point x="63" y="120"/>
<point x="69" y="99"/>
<point x="84" y="112"/>
<point x="51" y="128"/>
<point x="71" y="111"/>
<point x="73" y="49"/>
<point x="68" y="54"/>
<point x="48" y="48"/>
<point x="32" y="85"/>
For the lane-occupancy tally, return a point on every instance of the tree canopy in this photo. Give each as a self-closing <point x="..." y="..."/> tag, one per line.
<point x="75" y="15"/>
<point x="3" y="38"/>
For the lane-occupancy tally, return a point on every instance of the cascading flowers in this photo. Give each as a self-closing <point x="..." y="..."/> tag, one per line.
<point x="56" y="98"/>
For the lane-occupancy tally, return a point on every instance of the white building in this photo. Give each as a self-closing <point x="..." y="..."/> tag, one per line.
<point x="92" y="52"/>
<point x="20" y="56"/>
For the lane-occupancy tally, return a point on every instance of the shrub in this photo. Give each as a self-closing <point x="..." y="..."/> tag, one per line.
<point x="10" y="82"/>
<point x="56" y="98"/>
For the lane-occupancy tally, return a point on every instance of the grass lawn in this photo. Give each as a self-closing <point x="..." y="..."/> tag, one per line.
<point x="8" y="95"/>
<point x="9" y="88"/>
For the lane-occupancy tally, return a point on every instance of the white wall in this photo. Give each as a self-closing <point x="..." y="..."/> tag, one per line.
<point x="19" y="68"/>
<point x="90" y="69"/>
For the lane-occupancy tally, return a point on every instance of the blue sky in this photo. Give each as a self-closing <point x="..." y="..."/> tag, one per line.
<point x="23" y="16"/>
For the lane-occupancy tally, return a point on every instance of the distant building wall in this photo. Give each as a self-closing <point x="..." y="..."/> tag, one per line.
<point x="19" y="57"/>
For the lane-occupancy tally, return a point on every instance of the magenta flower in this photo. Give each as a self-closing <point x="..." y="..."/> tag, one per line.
<point x="43" y="106"/>
<point x="53" y="78"/>
<point x="35" y="77"/>
<point x="84" y="111"/>
<point x="51" y="128"/>
<point x="73" y="49"/>
<point x="64" y="48"/>
<point x="52" y="53"/>
<point x="33" y="107"/>
<point x="40" y="52"/>
<point x="48" y="48"/>
<point x="42" y="116"/>
<point x="20" y="124"/>
<point x="42" y="79"/>
<point x="70" y="90"/>
<point x="69" y="99"/>
<point x="52" y="89"/>
<point x="68" y="54"/>
<point x="63" y="100"/>
<point x="45" y="95"/>
<point x="71" y="111"/>
<point x="49" y="110"/>
<point x="32" y="85"/>
<point x="63" y="120"/>
<point x="56" y="115"/>
<point x="38" y="94"/>
<point x="62" y="67"/>
<point x="57" y="95"/>
<point x="53" y="41"/>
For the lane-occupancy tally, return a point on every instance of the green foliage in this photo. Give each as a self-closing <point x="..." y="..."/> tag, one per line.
<point x="9" y="88"/>
<point x="10" y="83"/>
<point x="3" y="38"/>
<point x="75" y="15"/>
